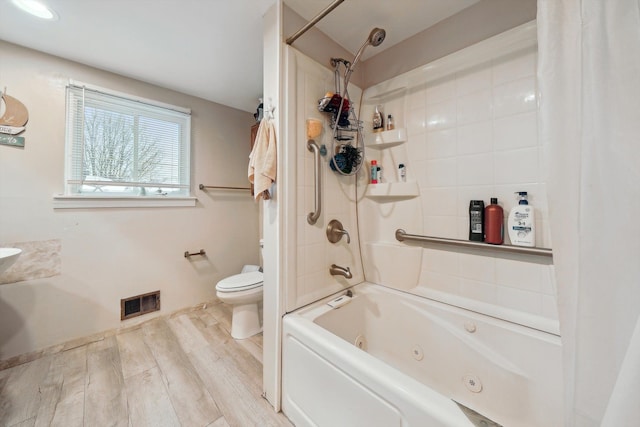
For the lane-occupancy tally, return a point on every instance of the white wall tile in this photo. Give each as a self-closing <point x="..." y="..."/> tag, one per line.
<point x="473" y="80"/>
<point x="441" y="115"/>
<point x="417" y="99"/>
<point x="479" y="291"/>
<point x="441" y="144"/>
<point x="314" y="258"/>
<point x="440" y="226"/>
<point x="441" y="173"/>
<point x="516" y="166"/>
<point x="441" y="91"/>
<point x="516" y="299"/>
<point x="515" y="66"/>
<point x="474" y="107"/>
<point x="476" y="169"/>
<point x="439" y="261"/>
<point x="516" y="273"/>
<point x="441" y="282"/>
<point x="440" y="201"/>
<point x="515" y="97"/>
<point x="478" y="267"/>
<point x="416" y="121"/>
<point x="549" y="307"/>
<point x="475" y="138"/>
<point x="516" y="131"/>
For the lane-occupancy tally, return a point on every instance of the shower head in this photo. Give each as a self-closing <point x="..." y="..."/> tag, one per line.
<point x="376" y="37"/>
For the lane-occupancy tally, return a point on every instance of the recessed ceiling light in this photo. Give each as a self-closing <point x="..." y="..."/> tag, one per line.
<point x="36" y="8"/>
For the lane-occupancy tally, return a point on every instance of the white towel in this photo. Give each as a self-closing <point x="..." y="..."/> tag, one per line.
<point x="263" y="160"/>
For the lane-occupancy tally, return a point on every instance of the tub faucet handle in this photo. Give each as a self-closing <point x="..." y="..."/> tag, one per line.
<point x="335" y="231"/>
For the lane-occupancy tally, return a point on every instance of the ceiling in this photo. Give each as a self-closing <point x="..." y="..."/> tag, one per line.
<point x="211" y="49"/>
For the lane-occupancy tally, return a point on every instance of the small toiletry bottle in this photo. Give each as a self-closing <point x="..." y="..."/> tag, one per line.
<point x="521" y="222"/>
<point x="379" y="174"/>
<point x="476" y="220"/>
<point x="402" y="173"/>
<point x="390" y="124"/>
<point x="374" y="172"/>
<point x="378" y="122"/>
<point x="494" y="223"/>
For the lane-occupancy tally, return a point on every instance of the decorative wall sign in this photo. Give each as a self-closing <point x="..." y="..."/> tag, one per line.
<point x="12" y="121"/>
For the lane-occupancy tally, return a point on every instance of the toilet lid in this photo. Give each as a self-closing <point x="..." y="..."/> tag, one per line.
<point x="241" y="282"/>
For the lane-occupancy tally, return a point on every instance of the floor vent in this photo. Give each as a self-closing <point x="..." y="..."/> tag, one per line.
<point x="139" y="305"/>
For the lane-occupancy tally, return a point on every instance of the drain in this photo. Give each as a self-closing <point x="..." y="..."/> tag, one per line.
<point x="361" y="342"/>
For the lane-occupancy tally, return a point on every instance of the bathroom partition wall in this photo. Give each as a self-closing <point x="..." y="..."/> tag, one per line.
<point x="471" y="134"/>
<point x="307" y="82"/>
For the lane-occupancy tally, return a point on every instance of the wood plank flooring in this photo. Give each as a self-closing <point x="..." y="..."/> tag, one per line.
<point x="180" y="370"/>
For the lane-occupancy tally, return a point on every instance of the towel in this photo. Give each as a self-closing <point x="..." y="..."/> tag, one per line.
<point x="263" y="160"/>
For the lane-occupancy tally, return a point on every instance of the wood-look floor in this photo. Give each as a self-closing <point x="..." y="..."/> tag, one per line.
<point x="181" y="370"/>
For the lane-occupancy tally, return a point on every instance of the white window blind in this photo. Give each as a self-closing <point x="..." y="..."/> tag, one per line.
<point x="120" y="146"/>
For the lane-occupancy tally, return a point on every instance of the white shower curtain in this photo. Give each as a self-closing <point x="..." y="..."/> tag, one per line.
<point x="589" y="81"/>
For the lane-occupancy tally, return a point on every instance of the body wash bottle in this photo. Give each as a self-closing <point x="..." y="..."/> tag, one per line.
<point x="521" y="222"/>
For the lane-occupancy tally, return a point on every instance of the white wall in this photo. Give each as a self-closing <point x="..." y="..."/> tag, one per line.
<point x="471" y="121"/>
<point x="109" y="254"/>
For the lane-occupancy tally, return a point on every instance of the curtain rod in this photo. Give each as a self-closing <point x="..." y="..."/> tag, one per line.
<point x="313" y="22"/>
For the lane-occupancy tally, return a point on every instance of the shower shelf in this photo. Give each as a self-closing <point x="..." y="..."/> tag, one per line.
<point x="392" y="191"/>
<point x="386" y="139"/>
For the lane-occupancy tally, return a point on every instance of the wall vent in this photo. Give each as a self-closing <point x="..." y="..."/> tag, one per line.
<point x="139" y="305"/>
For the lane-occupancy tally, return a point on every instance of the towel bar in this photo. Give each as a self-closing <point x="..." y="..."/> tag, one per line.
<point x="188" y="255"/>
<point x="204" y="187"/>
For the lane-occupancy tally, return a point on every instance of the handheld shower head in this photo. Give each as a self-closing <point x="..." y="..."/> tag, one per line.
<point x="376" y="37"/>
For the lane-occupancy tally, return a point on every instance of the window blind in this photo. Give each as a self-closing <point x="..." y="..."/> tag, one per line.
<point x="120" y="146"/>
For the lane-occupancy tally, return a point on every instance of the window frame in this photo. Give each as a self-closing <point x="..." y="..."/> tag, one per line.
<point x="95" y="200"/>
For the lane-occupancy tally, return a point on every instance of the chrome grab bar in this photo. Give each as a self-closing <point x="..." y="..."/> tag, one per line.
<point x="312" y="218"/>
<point x="402" y="235"/>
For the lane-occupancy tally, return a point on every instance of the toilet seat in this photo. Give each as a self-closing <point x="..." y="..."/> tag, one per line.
<point x="241" y="282"/>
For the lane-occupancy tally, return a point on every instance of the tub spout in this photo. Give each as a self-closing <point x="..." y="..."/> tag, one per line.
<point x="336" y="270"/>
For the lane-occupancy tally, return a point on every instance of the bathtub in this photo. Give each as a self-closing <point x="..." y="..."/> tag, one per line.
<point x="387" y="358"/>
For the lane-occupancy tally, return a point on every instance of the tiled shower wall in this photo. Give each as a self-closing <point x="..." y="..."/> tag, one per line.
<point x="472" y="134"/>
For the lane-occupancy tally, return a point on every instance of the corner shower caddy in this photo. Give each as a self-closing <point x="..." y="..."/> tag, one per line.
<point x="346" y="158"/>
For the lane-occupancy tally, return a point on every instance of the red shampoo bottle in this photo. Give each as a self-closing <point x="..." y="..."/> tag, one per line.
<point x="494" y="223"/>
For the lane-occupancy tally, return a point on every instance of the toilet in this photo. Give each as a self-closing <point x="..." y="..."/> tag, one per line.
<point x="244" y="292"/>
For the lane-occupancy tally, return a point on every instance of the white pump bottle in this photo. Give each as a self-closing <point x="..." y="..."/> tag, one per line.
<point x="521" y="222"/>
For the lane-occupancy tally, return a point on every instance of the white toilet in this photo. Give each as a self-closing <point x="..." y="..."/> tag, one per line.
<point x="244" y="292"/>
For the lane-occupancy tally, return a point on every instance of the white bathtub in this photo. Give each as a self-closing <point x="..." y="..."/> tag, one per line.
<point x="420" y="357"/>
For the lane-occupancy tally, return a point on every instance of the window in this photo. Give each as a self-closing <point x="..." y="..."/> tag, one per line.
<point x="122" y="146"/>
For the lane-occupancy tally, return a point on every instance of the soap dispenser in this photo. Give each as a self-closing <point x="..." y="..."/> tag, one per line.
<point x="521" y="222"/>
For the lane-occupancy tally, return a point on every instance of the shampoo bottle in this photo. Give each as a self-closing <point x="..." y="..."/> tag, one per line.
<point x="374" y="171"/>
<point x="521" y="222"/>
<point x="378" y="122"/>
<point x="494" y="223"/>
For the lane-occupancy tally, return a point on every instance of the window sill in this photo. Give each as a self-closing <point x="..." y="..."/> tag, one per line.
<point x="89" y="202"/>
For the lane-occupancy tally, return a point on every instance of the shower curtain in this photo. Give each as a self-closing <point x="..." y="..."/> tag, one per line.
<point x="589" y="82"/>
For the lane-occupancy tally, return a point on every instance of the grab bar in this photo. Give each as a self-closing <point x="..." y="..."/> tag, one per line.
<point x="312" y="218"/>
<point x="402" y="235"/>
